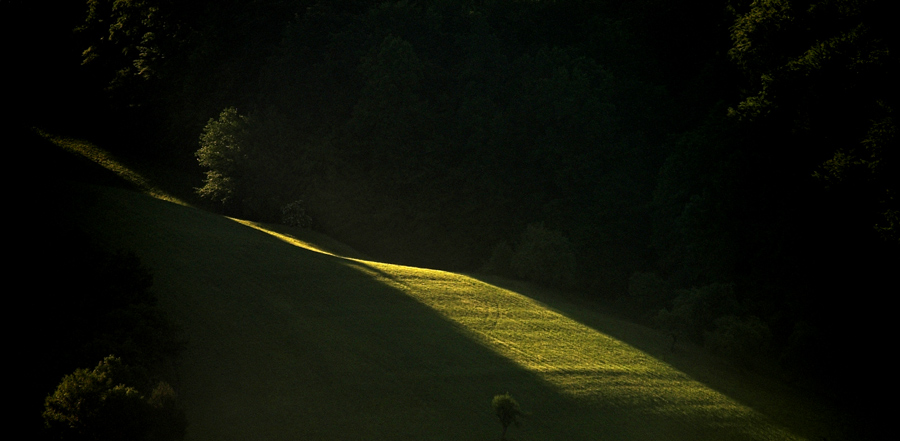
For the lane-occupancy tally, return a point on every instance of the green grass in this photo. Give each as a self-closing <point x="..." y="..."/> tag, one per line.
<point x="294" y="336"/>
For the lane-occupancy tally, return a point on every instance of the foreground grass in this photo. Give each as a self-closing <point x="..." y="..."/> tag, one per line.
<point x="296" y="336"/>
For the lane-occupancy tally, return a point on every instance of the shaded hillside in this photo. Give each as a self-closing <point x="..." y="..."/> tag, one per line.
<point x="285" y="341"/>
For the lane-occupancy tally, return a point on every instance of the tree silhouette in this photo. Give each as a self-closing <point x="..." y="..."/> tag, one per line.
<point x="507" y="410"/>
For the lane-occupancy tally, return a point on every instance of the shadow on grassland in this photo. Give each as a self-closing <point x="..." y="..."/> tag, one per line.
<point x="292" y="343"/>
<point x="51" y="166"/>
<point x="287" y="343"/>
<point x="207" y="265"/>
<point x="800" y="412"/>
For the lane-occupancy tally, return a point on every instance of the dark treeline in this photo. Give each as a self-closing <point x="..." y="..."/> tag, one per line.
<point x="724" y="169"/>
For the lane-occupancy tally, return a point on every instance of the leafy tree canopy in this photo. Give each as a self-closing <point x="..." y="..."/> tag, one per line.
<point x="102" y="404"/>
<point x="507" y="410"/>
<point x="821" y="77"/>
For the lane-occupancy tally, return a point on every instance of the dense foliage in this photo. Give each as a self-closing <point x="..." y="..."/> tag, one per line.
<point x="821" y="74"/>
<point x="103" y="404"/>
<point x="719" y="167"/>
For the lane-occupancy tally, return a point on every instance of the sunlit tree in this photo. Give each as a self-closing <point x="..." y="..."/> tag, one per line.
<point x="223" y="146"/>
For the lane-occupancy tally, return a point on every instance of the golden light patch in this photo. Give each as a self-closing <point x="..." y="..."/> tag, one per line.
<point x="106" y="160"/>
<point x="578" y="360"/>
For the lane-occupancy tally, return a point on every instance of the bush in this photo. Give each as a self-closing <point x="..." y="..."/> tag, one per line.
<point x="99" y="302"/>
<point x="294" y="214"/>
<point x="499" y="262"/>
<point x="170" y="420"/>
<point x="742" y="339"/>
<point x="544" y="256"/>
<point x="647" y="292"/>
<point x="104" y="404"/>
<point x="801" y="356"/>
<point x="694" y="311"/>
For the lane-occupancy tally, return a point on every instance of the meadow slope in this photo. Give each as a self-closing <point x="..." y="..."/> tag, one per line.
<point x="295" y="336"/>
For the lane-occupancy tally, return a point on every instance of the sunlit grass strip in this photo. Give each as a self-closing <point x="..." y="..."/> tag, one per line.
<point x="289" y="239"/>
<point x="580" y="361"/>
<point x="106" y="160"/>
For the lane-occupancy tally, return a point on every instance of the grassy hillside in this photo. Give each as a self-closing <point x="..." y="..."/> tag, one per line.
<point x="294" y="336"/>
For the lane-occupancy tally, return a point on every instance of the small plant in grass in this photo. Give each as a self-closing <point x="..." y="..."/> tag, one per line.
<point x="507" y="410"/>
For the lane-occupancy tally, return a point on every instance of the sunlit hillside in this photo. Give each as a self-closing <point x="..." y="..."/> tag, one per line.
<point x="295" y="336"/>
